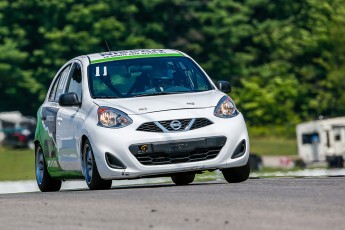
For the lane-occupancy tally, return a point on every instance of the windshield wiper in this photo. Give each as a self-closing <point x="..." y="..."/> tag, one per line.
<point x="154" y="94"/>
<point x="106" y="96"/>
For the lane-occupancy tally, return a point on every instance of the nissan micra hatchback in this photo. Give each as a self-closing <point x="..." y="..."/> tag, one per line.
<point x="135" y="114"/>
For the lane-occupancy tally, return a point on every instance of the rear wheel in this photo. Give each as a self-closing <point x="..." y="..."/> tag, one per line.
<point x="183" y="178"/>
<point x="92" y="177"/>
<point x="44" y="181"/>
<point x="238" y="174"/>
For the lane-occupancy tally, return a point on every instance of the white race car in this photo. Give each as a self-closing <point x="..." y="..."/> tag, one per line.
<point x="134" y="114"/>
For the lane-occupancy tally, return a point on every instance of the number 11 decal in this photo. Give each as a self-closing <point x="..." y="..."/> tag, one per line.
<point x="105" y="73"/>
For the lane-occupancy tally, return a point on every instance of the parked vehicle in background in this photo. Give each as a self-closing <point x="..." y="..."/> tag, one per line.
<point x="322" y="140"/>
<point x="16" y="130"/>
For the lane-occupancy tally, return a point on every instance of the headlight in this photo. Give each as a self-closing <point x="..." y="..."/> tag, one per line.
<point x="225" y="108"/>
<point x="112" y="118"/>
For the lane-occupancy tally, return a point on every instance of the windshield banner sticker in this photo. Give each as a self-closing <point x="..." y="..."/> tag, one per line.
<point x="131" y="54"/>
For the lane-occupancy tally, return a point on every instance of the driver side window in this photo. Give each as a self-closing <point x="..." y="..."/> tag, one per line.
<point x="59" y="85"/>
<point x="75" y="81"/>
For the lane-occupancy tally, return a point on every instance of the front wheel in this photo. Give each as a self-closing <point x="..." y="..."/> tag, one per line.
<point x="44" y="181"/>
<point x="183" y="178"/>
<point x="92" y="177"/>
<point x="238" y="174"/>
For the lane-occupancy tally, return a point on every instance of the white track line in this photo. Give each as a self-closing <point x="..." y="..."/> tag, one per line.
<point x="31" y="186"/>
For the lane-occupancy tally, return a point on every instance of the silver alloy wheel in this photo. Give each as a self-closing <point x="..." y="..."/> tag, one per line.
<point x="88" y="163"/>
<point x="39" y="166"/>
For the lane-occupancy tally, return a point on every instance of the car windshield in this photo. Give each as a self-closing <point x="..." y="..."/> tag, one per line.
<point x="146" y="77"/>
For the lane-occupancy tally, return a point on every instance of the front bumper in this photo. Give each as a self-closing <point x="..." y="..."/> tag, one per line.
<point x="180" y="151"/>
<point x="125" y="144"/>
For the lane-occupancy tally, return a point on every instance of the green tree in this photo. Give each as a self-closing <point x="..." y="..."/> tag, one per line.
<point x="285" y="59"/>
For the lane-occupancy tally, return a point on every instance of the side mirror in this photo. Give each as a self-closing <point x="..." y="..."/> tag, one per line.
<point x="224" y="86"/>
<point x="69" y="99"/>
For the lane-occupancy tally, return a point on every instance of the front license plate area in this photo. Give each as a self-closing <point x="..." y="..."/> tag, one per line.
<point x="178" y="146"/>
<point x="186" y="146"/>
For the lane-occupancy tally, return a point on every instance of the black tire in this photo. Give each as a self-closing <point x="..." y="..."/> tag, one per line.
<point x="44" y="181"/>
<point x="183" y="178"/>
<point x="238" y="174"/>
<point x="92" y="177"/>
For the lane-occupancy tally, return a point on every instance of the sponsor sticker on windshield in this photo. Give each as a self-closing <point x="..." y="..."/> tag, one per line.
<point x="130" y="54"/>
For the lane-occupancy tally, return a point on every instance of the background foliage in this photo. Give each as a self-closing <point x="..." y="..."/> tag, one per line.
<point x="285" y="59"/>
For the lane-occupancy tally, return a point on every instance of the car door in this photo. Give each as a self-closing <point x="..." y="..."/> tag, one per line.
<point x="339" y="139"/>
<point x="48" y="115"/>
<point x="68" y="122"/>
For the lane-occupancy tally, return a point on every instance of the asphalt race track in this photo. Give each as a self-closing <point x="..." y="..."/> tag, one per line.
<point x="288" y="203"/>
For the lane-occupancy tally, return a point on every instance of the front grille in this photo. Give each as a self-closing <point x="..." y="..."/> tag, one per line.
<point x="163" y="158"/>
<point x="201" y="122"/>
<point x="185" y="123"/>
<point x="149" y="127"/>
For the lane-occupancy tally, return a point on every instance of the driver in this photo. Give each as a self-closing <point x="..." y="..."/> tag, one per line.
<point x="161" y="79"/>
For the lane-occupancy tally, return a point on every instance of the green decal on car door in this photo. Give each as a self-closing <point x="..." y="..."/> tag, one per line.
<point x="46" y="134"/>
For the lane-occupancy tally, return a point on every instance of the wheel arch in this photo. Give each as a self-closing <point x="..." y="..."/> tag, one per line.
<point x="82" y="142"/>
<point x="36" y="142"/>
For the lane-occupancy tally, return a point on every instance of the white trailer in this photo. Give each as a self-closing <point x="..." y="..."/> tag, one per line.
<point x="321" y="140"/>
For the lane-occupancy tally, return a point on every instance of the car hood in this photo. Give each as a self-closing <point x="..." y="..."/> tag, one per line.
<point x="149" y="104"/>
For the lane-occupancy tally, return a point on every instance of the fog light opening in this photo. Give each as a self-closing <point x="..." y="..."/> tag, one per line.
<point x="240" y="150"/>
<point x="113" y="162"/>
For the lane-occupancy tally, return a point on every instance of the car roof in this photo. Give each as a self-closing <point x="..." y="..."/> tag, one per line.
<point x="132" y="54"/>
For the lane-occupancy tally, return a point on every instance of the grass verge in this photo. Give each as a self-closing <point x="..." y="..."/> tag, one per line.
<point x="273" y="146"/>
<point x="16" y="164"/>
